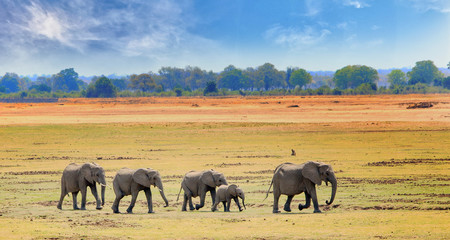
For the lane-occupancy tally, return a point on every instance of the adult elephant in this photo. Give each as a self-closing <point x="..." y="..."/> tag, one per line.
<point x="292" y="179"/>
<point x="131" y="182"/>
<point x="196" y="183"/>
<point x="76" y="178"/>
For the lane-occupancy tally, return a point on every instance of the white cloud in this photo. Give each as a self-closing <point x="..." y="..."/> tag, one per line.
<point x="296" y="38"/>
<point x="429" y="5"/>
<point x="356" y="3"/>
<point x="313" y="7"/>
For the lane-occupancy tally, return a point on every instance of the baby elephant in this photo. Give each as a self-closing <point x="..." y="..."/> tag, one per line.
<point x="227" y="192"/>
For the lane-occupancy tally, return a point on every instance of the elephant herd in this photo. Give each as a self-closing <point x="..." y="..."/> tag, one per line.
<point x="288" y="179"/>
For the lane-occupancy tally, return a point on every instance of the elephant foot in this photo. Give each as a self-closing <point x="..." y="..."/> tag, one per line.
<point x="240" y="209"/>
<point x="130" y="211"/>
<point x="317" y="211"/>
<point x="301" y="207"/>
<point x="183" y="210"/>
<point x="197" y="207"/>
<point x="150" y="212"/>
<point x="83" y="208"/>
<point x="116" y="211"/>
<point x="99" y="208"/>
<point x="275" y="211"/>
<point x="76" y="208"/>
<point x="287" y="208"/>
<point x="59" y="207"/>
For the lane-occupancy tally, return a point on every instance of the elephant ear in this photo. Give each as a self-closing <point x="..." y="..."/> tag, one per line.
<point x="232" y="190"/>
<point x="87" y="173"/>
<point x="141" y="177"/>
<point x="311" y="172"/>
<point x="208" y="178"/>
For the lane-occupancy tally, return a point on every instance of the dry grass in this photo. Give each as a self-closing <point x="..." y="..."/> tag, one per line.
<point x="393" y="175"/>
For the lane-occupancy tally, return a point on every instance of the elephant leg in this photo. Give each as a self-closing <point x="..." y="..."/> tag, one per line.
<point x="83" y="198"/>
<point x="307" y="203"/>
<point x="191" y="205"/>
<point x="74" y="197"/>
<point x="185" y="199"/>
<point x="314" y="200"/>
<point x="95" y="194"/>
<point x="61" y="199"/>
<point x="287" y="205"/>
<point x="236" y="200"/>
<point x="214" y="207"/>
<point x="202" y="201"/>
<point x="213" y="195"/>
<point x="148" y="194"/>
<point x="276" y="197"/>
<point x="133" y="201"/>
<point x="225" y="206"/>
<point x="115" y="206"/>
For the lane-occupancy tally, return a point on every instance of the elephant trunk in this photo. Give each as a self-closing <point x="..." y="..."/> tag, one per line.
<point x="333" y="191"/>
<point x="243" y="203"/>
<point x="161" y="191"/>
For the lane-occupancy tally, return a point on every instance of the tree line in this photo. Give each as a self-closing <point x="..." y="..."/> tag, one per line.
<point x="263" y="80"/>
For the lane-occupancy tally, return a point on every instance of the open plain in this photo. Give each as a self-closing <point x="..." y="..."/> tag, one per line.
<point x="392" y="164"/>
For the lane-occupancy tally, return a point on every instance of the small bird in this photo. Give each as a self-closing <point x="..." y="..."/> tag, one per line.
<point x="293" y="152"/>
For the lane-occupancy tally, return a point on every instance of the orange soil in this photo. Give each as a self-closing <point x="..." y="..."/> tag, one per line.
<point x="311" y="109"/>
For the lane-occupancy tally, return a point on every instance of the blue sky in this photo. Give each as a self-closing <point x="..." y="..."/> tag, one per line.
<point x="136" y="36"/>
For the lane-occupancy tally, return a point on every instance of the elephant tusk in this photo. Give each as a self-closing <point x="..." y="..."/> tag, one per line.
<point x="103" y="185"/>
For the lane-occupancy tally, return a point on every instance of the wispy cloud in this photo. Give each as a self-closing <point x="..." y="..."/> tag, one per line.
<point x="313" y="7"/>
<point x="442" y="6"/>
<point x="356" y="3"/>
<point x="296" y="38"/>
<point x="130" y="28"/>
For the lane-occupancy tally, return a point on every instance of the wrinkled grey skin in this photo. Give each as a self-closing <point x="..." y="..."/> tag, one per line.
<point x="292" y="179"/>
<point x="197" y="183"/>
<point x="76" y="178"/>
<point x="131" y="182"/>
<point x="225" y="193"/>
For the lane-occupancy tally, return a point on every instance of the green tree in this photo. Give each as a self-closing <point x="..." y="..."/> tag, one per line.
<point x="397" y="77"/>
<point x="269" y="77"/>
<point x="232" y="78"/>
<point x="11" y="82"/>
<point x="354" y="75"/>
<point x="446" y="82"/>
<point x="66" y="80"/>
<point x="211" y="88"/>
<point x="41" y="87"/>
<point x="424" y="72"/>
<point x="300" y="77"/>
<point x="143" y="82"/>
<point x="102" y="88"/>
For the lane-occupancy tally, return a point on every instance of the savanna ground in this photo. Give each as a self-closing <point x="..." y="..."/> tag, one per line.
<point x="392" y="165"/>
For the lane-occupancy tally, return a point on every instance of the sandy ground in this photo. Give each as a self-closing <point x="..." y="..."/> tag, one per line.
<point x="294" y="109"/>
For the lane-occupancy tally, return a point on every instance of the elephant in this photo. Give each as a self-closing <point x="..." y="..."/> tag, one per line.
<point x="76" y="178"/>
<point x="292" y="179"/>
<point x="196" y="183"/>
<point x="227" y="192"/>
<point x="131" y="182"/>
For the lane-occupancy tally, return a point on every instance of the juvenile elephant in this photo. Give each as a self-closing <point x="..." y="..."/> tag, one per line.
<point x="76" y="178"/>
<point x="197" y="183"/>
<point x="131" y="182"/>
<point x="227" y="192"/>
<point x="292" y="179"/>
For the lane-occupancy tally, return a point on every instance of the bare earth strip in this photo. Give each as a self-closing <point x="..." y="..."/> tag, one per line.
<point x="292" y="109"/>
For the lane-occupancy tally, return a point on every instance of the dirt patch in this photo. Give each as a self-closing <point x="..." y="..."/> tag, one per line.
<point x="420" y="105"/>
<point x="223" y="165"/>
<point x="260" y="172"/>
<point x="34" y="173"/>
<point x="398" y="162"/>
<point x="104" y="223"/>
<point x="351" y="180"/>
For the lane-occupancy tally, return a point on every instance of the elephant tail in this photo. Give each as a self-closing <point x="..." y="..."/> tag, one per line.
<point x="179" y="193"/>
<point x="268" y="190"/>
